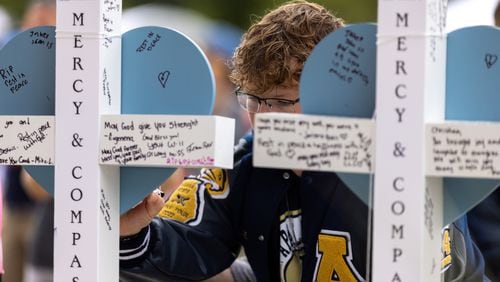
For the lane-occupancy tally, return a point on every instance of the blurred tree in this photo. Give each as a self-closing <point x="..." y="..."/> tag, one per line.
<point x="238" y="12"/>
<point x="15" y="9"/>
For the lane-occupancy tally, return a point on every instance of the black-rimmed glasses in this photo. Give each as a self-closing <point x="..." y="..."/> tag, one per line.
<point x="252" y="103"/>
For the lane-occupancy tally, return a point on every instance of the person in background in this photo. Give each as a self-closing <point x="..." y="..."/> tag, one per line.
<point x="286" y="220"/>
<point x="484" y="223"/>
<point x="497" y="14"/>
<point x="39" y="12"/>
<point x="40" y="248"/>
<point x="18" y="216"/>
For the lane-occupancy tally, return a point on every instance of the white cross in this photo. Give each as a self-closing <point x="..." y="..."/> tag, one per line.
<point x="408" y="147"/>
<point x="92" y="140"/>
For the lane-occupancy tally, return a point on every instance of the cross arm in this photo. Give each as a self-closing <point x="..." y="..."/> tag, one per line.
<point x="308" y="142"/>
<point x="167" y="140"/>
<point x="127" y="140"/>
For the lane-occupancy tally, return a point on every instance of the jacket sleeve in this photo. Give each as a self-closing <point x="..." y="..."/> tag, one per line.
<point x="484" y="225"/>
<point x="462" y="260"/>
<point x="193" y="237"/>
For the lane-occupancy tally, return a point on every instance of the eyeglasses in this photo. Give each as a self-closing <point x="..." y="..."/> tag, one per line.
<point x="252" y="103"/>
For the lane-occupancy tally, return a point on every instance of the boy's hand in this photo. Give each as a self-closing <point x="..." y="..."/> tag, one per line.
<point x="141" y="215"/>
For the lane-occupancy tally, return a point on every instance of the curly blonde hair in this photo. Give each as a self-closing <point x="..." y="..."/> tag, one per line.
<point x="274" y="48"/>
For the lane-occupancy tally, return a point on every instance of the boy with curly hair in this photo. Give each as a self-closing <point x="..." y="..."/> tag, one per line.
<point x="293" y="225"/>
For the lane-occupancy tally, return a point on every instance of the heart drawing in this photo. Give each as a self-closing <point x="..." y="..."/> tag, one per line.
<point x="163" y="78"/>
<point x="490" y="60"/>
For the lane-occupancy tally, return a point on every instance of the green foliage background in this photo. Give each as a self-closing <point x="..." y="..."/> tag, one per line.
<point x="238" y="12"/>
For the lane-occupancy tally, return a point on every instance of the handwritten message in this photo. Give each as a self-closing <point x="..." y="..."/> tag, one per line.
<point x="345" y="63"/>
<point x="13" y="79"/>
<point x="149" y="43"/>
<point x="41" y="38"/>
<point x="313" y="142"/>
<point x="26" y="140"/>
<point x="105" y="208"/>
<point x="110" y="20"/>
<point x="105" y="87"/>
<point x="171" y="141"/>
<point x="463" y="150"/>
<point x="436" y="11"/>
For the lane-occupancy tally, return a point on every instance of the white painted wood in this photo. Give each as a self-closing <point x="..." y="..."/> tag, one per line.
<point x="86" y="194"/>
<point x="463" y="149"/>
<point x="310" y="142"/>
<point x="166" y="140"/>
<point x="410" y="92"/>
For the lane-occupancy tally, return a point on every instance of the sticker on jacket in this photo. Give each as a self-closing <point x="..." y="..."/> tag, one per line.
<point x="334" y="257"/>
<point x="445" y="248"/>
<point x="186" y="202"/>
<point x="218" y="182"/>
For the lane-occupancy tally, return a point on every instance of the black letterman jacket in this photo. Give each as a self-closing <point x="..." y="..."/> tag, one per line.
<point x="168" y="250"/>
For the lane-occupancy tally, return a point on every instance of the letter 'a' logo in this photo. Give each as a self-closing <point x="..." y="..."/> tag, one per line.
<point x="334" y="258"/>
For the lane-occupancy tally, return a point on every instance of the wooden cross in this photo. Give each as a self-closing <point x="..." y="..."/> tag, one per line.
<point x="94" y="150"/>
<point x="406" y="147"/>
